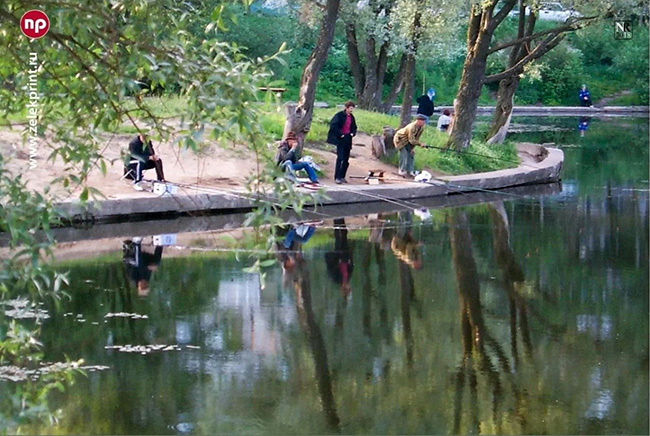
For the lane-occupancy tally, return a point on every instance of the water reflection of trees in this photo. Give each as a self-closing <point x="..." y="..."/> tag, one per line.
<point x="308" y="323"/>
<point x="410" y="357"/>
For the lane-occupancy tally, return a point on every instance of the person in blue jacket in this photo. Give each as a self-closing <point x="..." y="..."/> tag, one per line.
<point x="585" y="97"/>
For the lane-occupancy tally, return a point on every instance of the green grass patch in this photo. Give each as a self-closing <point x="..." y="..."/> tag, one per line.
<point x="479" y="157"/>
<point x="627" y="100"/>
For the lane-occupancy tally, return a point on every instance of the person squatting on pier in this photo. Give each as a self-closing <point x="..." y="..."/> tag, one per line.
<point x="342" y="128"/>
<point x="143" y="157"/>
<point x="406" y="139"/>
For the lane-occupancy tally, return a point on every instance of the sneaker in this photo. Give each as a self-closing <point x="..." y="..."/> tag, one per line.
<point x="401" y="173"/>
<point x="344" y="180"/>
<point x="413" y="173"/>
<point x="338" y="181"/>
<point x="138" y="187"/>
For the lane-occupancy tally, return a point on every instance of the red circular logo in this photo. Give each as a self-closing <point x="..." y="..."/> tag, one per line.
<point x="34" y="24"/>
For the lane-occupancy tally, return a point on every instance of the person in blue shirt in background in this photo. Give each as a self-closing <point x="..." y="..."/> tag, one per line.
<point x="585" y="97"/>
<point x="583" y="125"/>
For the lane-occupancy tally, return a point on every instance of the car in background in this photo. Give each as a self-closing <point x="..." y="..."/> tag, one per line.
<point x="550" y="11"/>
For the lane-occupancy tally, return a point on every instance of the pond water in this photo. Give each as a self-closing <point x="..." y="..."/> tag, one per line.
<point x="527" y="315"/>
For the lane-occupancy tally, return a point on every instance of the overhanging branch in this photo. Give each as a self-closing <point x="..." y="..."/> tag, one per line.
<point x="538" y="52"/>
<point x="568" y="27"/>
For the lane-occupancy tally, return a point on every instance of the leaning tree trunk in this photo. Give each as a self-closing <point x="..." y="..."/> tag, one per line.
<point x="299" y="117"/>
<point x="482" y="24"/>
<point x="465" y="106"/>
<point x="503" y="111"/>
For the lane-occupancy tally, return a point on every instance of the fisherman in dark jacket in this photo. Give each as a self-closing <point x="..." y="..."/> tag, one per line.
<point x="140" y="264"/>
<point x="425" y="102"/>
<point x="143" y="157"/>
<point x="287" y="156"/>
<point x="342" y="128"/>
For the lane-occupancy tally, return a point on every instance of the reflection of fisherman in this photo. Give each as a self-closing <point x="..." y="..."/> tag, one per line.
<point x="140" y="264"/>
<point x="403" y="244"/>
<point x="339" y="262"/>
<point x="583" y="125"/>
<point x="289" y="249"/>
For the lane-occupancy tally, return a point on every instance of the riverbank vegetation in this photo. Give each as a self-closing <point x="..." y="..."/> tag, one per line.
<point x="590" y="55"/>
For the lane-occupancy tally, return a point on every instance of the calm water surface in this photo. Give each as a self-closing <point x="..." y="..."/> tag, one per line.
<point x="520" y="316"/>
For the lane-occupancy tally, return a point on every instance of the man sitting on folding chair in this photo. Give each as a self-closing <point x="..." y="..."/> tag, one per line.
<point x="142" y="157"/>
<point x="286" y="159"/>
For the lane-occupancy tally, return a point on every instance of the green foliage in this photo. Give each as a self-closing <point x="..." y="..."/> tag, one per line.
<point x="561" y="76"/>
<point x="96" y="75"/>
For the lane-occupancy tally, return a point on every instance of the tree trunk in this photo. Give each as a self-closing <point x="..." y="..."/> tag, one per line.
<point x="398" y="84"/>
<point x="409" y="70"/>
<point x="503" y="111"/>
<point x="389" y="145"/>
<point x="467" y="281"/>
<point x="466" y="103"/>
<point x="358" y="73"/>
<point x="299" y="118"/>
<point x="302" y="286"/>
<point x="482" y="23"/>
<point x="409" y="88"/>
<point x="369" y="77"/>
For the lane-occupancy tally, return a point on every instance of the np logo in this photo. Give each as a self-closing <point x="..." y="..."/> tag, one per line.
<point x="623" y="30"/>
<point x="34" y="24"/>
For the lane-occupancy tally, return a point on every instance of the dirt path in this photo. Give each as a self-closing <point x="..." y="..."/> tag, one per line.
<point x="216" y="167"/>
<point x="605" y="100"/>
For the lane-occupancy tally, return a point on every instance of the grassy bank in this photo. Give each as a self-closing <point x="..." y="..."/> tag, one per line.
<point x="479" y="157"/>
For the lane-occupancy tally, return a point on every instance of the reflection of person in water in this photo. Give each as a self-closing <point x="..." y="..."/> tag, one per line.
<point x="583" y="125"/>
<point x="339" y="262"/>
<point x="289" y="248"/>
<point x="140" y="264"/>
<point x="404" y="244"/>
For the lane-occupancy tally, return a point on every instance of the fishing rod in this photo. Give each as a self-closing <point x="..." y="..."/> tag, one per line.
<point x="233" y="193"/>
<point x="402" y="203"/>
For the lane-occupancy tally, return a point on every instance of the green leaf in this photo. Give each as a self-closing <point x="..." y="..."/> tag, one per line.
<point x="84" y="195"/>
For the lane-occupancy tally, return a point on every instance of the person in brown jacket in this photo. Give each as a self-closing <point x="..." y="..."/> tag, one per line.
<point x="406" y="139"/>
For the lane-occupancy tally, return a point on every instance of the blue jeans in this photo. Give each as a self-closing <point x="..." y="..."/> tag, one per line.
<point x="305" y="166"/>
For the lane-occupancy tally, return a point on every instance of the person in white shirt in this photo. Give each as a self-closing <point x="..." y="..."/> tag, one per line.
<point x="444" y="121"/>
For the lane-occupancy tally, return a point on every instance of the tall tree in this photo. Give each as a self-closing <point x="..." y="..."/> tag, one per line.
<point x="299" y="116"/>
<point x="525" y="48"/>
<point x="409" y="73"/>
<point x="483" y="21"/>
<point x="380" y="30"/>
<point x="369" y="39"/>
